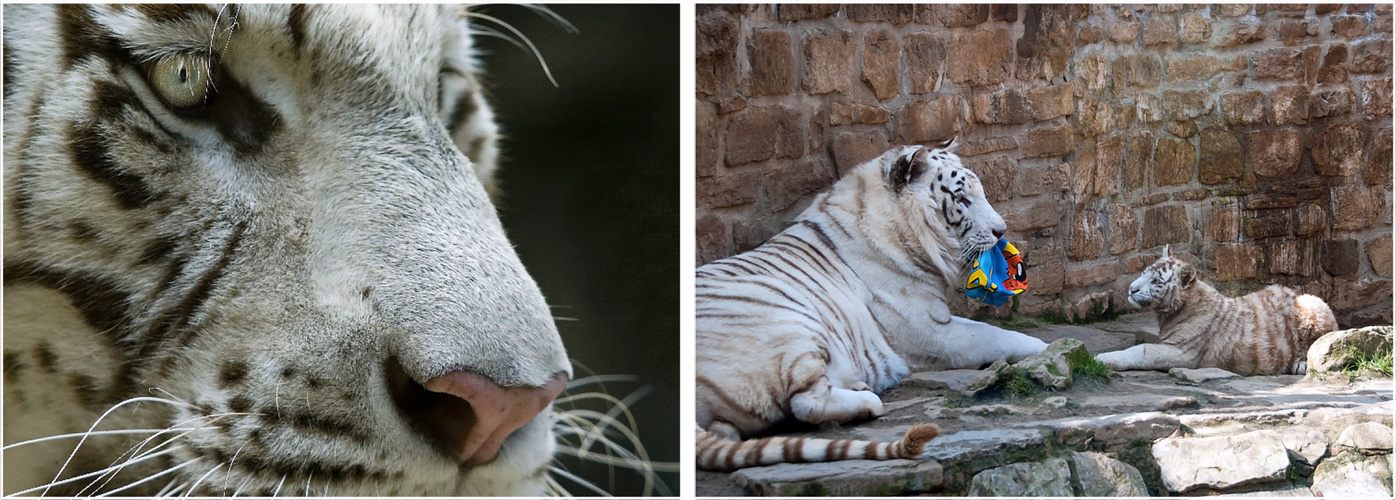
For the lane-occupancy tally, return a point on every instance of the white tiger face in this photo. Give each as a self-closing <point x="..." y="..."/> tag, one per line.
<point x="938" y="189"/>
<point x="1161" y="284"/>
<point x="274" y="214"/>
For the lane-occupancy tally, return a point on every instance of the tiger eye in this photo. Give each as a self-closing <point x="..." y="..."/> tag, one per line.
<point x="182" y="80"/>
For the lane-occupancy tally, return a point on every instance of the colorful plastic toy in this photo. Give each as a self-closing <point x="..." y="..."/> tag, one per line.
<point x="998" y="275"/>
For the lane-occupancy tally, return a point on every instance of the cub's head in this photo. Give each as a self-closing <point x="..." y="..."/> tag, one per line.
<point x="274" y="216"/>
<point x="1162" y="284"/>
<point x="942" y="201"/>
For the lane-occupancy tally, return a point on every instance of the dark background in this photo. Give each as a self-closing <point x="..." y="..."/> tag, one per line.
<point x="590" y="181"/>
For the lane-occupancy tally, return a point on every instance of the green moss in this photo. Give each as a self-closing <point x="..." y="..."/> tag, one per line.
<point x="1084" y="366"/>
<point x="1371" y="364"/>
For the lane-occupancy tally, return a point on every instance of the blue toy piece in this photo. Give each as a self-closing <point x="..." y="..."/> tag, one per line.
<point x="998" y="275"/>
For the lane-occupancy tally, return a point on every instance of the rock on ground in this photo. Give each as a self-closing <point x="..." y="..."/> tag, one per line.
<point x="1049" y="478"/>
<point x="954" y="380"/>
<point x="1292" y="491"/>
<point x="1309" y="443"/>
<point x="1097" y="475"/>
<point x="1336" y="349"/>
<point x="1352" y="474"/>
<point x="1050" y="367"/>
<point x="1367" y="436"/>
<point x="847" y="478"/>
<point x="1219" y="463"/>
<point x="1200" y="375"/>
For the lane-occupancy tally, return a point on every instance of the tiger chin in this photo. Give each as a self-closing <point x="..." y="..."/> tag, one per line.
<point x="1262" y="333"/>
<point x="816" y="322"/>
<point x="249" y="250"/>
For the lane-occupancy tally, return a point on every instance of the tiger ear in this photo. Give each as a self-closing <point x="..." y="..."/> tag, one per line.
<point x="1165" y="252"/>
<point x="1187" y="275"/>
<point x="949" y="145"/>
<point x="906" y="169"/>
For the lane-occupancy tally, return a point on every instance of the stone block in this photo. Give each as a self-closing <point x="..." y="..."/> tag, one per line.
<point x="1236" y="261"/>
<point x="986" y="146"/>
<point x="996" y="174"/>
<point x="1292" y="257"/>
<point x="1246" y="107"/>
<point x="772" y="63"/>
<point x="1379" y="254"/>
<point x="802" y="12"/>
<point x="881" y="63"/>
<point x="1341" y="256"/>
<point x="711" y="238"/>
<point x="1109" y="159"/>
<point x="1292" y="31"/>
<point x="1222" y="159"/>
<point x="1093" y="70"/>
<point x="1233" y="10"/>
<point x="1087" y="239"/>
<point x="1124" y="228"/>
<point x="1339" y="150"/>
<point x="853" y="148"/>
<point x="1200" y="375"/>
<point x="715" y="53"/>
<point x="1043" y="179"/>
<point x="1289" y="10"/>
<point x="1182" y="129"/>
<point x="1273" y="153"/>
<point x="1049" y="37"/>
<point x="1222" y="223"/>
<point x="1378" y="169"/>
<point x="928" y="120"/>
<point x="1166" y="225"/>
<point x="1334" y="68"/>
<point x="1291" y="105"/>
<point x="1174" y="162"/>
<point x="1192" y="68"/>
<point x="1049" y="141"/>
<point x="1050" y="478"/>
<point x="706" y="143"/>
<point x="1376" y="98"/>
<point x="851" y="478"/>
<point x="1138" y="153"/>
<point x="1330" y="102"/>
<point x="1338" y="349"/>
<point x="1149" y="108"/>
<point x="1193" y="28"/>
<point x="1160" y="30"/>
<point x="1241" y="33"/>
<point x="1356" y="207"/>
<point x="1046" y="103"/>
<point x="1326" y="8"/>
<point x="728" y="190"/>
<point x="1125" y="31"/>
<point x="763" y="132"/>
<point x="1004" y="107"/>
<point x="1094" y="117"/>
<point x="896" y="14"/>
<point x="1047" y="268"/>
<point x="861" y="114"/>
<point x="1372" y="56"/>
<point x="829" y="58"/>
<point x="981" y="57"/>
<point x="791" y="182"/>
<point x="1283" y="63"/>
<point x="1219" y="463"/>
<point x="1272" y="223"/>
<point x="1041" y="214"/>
<point x="1185" y="104"/>
<point x="1137" y="70"/>
<point x="924" y="53"/>
<point x="1349" y="27"/>
<point x="1308" y="219"/>
<point x="1003" y="12"/>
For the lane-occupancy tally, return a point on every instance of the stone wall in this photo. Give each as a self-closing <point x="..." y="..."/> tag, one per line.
<point x="1254" y="138"/>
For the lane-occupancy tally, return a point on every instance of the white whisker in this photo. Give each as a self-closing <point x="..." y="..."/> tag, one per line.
<point x="579" y="481"/>
<point x="279" y="485"/>
<point x="176" y="427"/>
<point x="522" y="37"/>
<point x="99" y="421"/>
<point x="552" y="16"/>
<point x="152" y="477"/>
<point x="195" y="487"/>
<point x="81" y="434"/>
<point x="90" y="474"/>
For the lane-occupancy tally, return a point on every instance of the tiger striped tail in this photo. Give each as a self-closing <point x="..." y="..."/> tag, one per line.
<point x="718" y="453"/>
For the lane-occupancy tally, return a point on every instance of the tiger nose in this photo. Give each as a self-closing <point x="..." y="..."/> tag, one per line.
<point x="498" y="411"/>
<point x="467" y="415"/>
<point x="999" y="232"/>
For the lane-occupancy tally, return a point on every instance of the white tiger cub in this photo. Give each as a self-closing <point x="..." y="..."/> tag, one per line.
<point x="251" y="246"/>
<point x="1262" y="333"/>
<point x="815" y="322"/>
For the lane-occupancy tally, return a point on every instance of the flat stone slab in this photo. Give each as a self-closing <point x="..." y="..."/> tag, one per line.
<point x="1292" y="491"/>
<point x="1110" y="429"/>
<point x="1353" y="475"/>
<point x="1220" y="463"/>
<point x="970" y="445"/>
<point x="1200" y="375"/>
<point x="953" y="380"/>
<point x="1367" y="436"/>
<point x="1097" y="475"/>
<point x="849" y="478"/>
<point x="1309" y="443"/>
<point x="1049" y="478"/>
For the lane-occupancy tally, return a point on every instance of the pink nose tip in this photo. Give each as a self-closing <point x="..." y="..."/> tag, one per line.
<point x="498" y="411"/>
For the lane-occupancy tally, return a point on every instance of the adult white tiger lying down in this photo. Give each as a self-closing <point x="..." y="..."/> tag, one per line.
<point x="252" y="248"/>
<point x="1262" y="333"/>
<point x="842" y="305"/>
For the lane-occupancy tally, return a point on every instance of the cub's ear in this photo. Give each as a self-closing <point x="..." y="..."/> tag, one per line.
<point x="1165" y="252"/>
<point x="1186" y="276"/>
<point x="949" y="145"/>
<point x="906" y="169"/>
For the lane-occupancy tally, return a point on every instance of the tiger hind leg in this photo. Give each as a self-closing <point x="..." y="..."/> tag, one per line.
<point x="823" y="402"/>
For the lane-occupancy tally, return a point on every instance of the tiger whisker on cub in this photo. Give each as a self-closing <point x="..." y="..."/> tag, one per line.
<point x="137" y="451"/>
<point x="592" y="428"/>
<point x="843" y="304"/>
